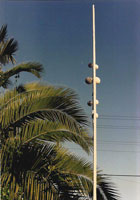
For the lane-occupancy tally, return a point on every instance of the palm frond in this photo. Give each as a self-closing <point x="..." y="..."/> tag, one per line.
<point x="7" y="50"/>
<point x="3" y="33"/>
<point x="42" y="163"/>
<point x="32" y="67"/>
<point x="59" y="100"/>
<point x="55" y="132"/>
<point x="106" y="190"/>
<point x="64" y="99"/>
<point x="36" y="121"/>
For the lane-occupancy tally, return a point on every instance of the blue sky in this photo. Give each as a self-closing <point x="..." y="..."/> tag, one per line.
<point x="58" y="34"/>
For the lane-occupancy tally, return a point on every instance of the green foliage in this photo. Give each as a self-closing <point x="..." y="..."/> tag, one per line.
<point x="5" y="193"/>
<point x="35" y="121"/>
<point x="8" y="47"/>
<point x="34" y="68"/>
<point x="32" y="124"/>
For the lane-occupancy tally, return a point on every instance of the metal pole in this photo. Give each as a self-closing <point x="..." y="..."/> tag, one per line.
<point x="94" y="80"/>
<point x="94" y="114"/>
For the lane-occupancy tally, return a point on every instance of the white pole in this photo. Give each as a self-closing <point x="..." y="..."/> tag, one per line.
<point x="94" y="114"/>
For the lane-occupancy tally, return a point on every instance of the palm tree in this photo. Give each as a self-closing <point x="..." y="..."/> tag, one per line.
<point x="42" y="113"/>
<point x="34" y="124"/>
<point x="8" y="47"/>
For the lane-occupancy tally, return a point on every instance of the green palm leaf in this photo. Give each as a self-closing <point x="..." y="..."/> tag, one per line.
<point x="8" y="47"/>
<point x="40" y="114"/>
<point x="107" y="190"/>
<point x="3" y="33"/>
<point x="40" y="161"/>
<point x="47" y="166"/>
<point x="35" y="102"/>
<point x="7" y="50"/>
<point x="32" y="67"/>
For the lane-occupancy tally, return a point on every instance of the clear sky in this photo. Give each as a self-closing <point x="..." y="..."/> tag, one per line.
<point x="58" y="34"/>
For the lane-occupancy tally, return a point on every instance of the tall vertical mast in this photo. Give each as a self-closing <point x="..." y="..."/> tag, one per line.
<point x="94" y="112"/>
<point x="94" y="80"/>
